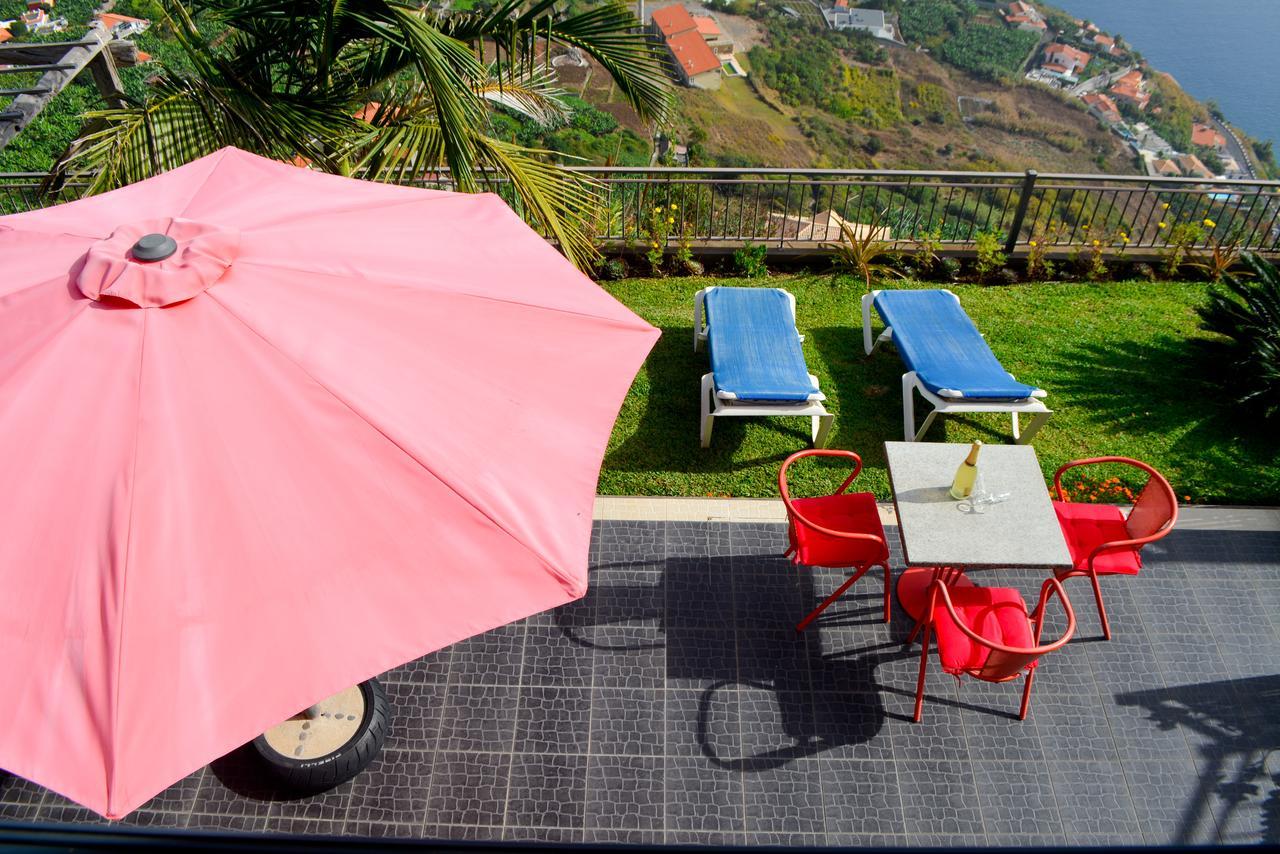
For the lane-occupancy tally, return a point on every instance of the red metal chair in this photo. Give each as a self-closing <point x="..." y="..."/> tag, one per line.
<point x="1102" y="539"/>
<point x="985" y="632"/>
<point x="841" y="530"/>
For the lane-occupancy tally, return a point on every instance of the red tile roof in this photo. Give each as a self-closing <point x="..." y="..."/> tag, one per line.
<point x="1063" y="54"/>
<point x="707" y="26"/>
<point x="110" y="20"/>
<point x="673" y="20"/>
<point x="1207" y="135"/>
<point x="693" y="53"/>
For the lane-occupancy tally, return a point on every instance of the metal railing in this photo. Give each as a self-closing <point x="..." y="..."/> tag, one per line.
<point x="802" y="209"/>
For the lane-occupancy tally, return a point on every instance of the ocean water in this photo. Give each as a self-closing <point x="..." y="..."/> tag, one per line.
<point x="1224" y="50"/>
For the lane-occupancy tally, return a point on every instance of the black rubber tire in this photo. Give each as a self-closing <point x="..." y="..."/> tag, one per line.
<point x="325" y="772"/>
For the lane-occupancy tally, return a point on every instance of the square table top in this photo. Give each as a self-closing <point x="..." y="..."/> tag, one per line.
<point x="936" y="530"/>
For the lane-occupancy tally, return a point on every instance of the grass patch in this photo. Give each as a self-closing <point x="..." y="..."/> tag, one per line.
<point x="1120" y="362"/>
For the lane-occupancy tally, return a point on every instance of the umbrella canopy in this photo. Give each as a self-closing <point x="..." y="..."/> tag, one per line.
<point x="342" y="425"/>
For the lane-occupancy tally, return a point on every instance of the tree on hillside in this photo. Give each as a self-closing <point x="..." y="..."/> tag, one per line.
<point x="292" y="78"/>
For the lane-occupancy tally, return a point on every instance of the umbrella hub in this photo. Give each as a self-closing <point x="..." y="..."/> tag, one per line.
<point x="157" y="262"/>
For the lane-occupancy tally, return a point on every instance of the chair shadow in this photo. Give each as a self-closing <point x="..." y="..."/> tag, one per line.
<point x="1238" y="738"/>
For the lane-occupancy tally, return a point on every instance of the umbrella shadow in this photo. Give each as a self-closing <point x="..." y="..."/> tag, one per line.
<point x="741" y="651"/>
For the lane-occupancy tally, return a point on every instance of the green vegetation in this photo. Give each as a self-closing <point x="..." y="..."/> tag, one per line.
<point x="989" y="51"/>
<point x="585" y="134"/>
<point x="929" y="22"/>
<point x="807" y="69"/>
<point x="1171" y="112"/>
<point x="1122" y="362"/>
<point x="1246" y="314"/>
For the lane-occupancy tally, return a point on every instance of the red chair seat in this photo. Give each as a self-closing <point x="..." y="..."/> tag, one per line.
<point x="852" y="513"/>
<point x="996" y="613"/>
<point x="1087" y="526"/>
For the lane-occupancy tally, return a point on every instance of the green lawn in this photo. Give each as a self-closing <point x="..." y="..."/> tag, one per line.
<point x="1120" y="361"/>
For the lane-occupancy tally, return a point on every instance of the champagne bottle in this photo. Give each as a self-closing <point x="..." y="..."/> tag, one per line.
<point x="967" y="474"/>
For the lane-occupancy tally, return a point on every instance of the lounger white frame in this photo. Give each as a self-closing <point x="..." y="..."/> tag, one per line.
<point x="951" y="401"/>
<point x="716" y="403"/>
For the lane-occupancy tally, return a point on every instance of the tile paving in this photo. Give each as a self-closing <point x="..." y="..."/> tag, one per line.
<point x="675" y="704"/>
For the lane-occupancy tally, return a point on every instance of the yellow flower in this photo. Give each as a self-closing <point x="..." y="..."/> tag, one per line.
<point x="1210" y="223"/>
<point x="1165" y="206"/>
<point x="674" y="208"/>
<point x="655" y="244"/>
<point x="671" y="219"/>
<point x="1095" y="243"/>
<point x="1033" y="243"/>
<point x="658" y="209"/>
<point x="1164" y="225"/>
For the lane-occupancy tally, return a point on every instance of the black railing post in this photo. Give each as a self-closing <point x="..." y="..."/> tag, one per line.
<point x="1020" y="213"/>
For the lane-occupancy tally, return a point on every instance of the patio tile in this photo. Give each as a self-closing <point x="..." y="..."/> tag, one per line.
<point x="939" y="798"/>
<point x="701" y="658"/>
<point x="415" y="715"/>
<point x="777" y="726"/>
<point x="699" y="539"/>
<point x="785" y="799"/>
<point x="493" y="658"/>
<point x="758" y="539"/>
<point x="465" y="832"/>
<point x="703" y="722"/>
<point x="861" y="797"/>
<point x="624" y="793"/>
<point x="468" y="789"/>
<point x="1093" y="801"/>
<point x="627" y="657"/>
<point x="702" y="797"/>
<point x="699" y="593"/>
<point x="381" y="830"/>
<point x="547" y="791"/>
<point x="478" y="717"/>
<point x="558" y="656"/>
<point x="631" y="545"/>
<point x="20" y="799"/>
<point x="1171" y="807"/>
<point x="852" y="726"/>
<point x="550" y="835"/>
<point x="628" y="721"/>
<point x="1018" y="803"/>
<point x="428" y="668"/>
<point x="553" y="720"/>
<point x="393" y="789"/>
<point x="630" y="597"/>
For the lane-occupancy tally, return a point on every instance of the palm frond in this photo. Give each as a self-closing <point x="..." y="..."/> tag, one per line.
<point x="534" y="94"/>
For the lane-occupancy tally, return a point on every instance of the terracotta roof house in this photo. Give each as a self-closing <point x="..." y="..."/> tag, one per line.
<point x="1106" y="43"/>
<point x="1208" y="136"/>
<point x="1103" y="107"/>
<point x="1064" y="60"/>
<point x="1131" y="88"/>
<point x="692" y="58"/>
<point x="719" y="42"/>
<point x="1024" y="16"/>
<point x="1192" y="166"/>
<point x="122" y="26"/>
<point x="1166" y="168"/>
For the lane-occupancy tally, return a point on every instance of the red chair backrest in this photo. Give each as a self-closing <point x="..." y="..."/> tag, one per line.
<point x="1155" y="509"/>
<point x="1005" y="662"/>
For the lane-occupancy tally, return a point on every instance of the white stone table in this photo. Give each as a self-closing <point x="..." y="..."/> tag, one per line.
<point x="939" y="532"/>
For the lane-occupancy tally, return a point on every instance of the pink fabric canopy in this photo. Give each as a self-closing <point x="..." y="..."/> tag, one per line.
<point x="345" y="424"/>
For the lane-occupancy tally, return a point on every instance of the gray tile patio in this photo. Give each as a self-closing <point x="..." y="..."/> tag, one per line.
<point x="676" y="704"/>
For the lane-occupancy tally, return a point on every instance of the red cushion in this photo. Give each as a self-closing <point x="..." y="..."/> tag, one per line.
<point x="995" y="613"/>
<point x="853" y="513"/>
<point x="1087" y="526"/>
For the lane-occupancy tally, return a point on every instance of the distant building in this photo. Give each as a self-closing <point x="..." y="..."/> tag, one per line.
<point x="1106" y="44"/>
<point x="822" y="226"/>
<point x="1064" y="61"/>
<point x="720" y="44"/>
<point x="122" y="26"/>
<point x="1024" y="16"/>
<point x="1192" y="166"/>
<point x="1131" y="89"/>
<point x="1165" y="168"/>
<point x="868" y="20"/>
<point x="1208" y="136"/>
<point x="1103" y="108"/>
<point x="694" y="62"/>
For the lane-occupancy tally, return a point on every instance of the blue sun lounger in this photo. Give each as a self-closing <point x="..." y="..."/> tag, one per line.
<point x="757" y="366"/>
<point x="948" y="361"/>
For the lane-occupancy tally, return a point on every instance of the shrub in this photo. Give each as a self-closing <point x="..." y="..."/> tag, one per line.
<point x="748" y="261"/>
<point x="863" y="253"/>
<point x="611" y="269"/>
<point x="991" y="255"/>
<point x="1246" y="313"/>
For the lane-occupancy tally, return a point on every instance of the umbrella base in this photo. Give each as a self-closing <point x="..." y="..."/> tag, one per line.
<point x="329" y="743"/>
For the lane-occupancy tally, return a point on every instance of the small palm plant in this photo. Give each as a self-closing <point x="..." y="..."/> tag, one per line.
<point x="1246" y="313"/>
<point x="863" y="251"/>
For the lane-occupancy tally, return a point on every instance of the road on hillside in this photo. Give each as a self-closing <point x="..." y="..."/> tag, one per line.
<point x="1235" y="148"/>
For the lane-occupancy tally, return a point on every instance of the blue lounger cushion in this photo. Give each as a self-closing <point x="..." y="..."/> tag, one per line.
<point x="938" y="341"/>
<point x="755" y="350"/>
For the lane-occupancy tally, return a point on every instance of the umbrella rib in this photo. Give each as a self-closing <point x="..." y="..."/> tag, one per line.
<point x="560" y="576"/>
<point x="446" y="291"/>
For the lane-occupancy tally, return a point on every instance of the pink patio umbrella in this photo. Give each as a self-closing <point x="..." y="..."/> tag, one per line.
<point x="340" y="426"/>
